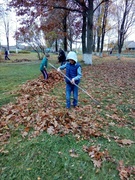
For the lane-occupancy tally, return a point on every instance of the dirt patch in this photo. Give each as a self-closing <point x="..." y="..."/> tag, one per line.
<point x="21" y="60"/>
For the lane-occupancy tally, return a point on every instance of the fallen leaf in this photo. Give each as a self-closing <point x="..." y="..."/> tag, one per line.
<point x="73" y="153"/>
<point x="125" y="141"/>
<point x="50" y="130"/>
<point x="97" y="163"/>
<point x="24" y="134"/>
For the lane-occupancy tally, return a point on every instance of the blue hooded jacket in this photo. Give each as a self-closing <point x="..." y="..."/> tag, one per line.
<point x="71" y="72"/>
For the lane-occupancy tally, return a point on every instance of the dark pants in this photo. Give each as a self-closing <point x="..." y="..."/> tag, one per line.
<point x="6" y="57"/>
<point x="45" y="74"/>
<point x="63" y="62"/>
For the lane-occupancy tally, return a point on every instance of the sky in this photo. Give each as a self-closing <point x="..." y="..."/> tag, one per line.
<point x="13" y="42"/>
<point x="13" y="29"/>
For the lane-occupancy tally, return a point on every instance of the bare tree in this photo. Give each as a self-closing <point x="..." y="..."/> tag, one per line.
<point x="98" y="28"/>
<point x="0" y="32"/>
<point x="104" y="25"/>
<point x="34" y="37"/>
<point x="125" y="19"/>
<point x="4" y="13"/>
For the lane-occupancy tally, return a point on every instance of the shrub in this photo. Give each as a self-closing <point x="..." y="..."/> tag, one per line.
<point x="24" y="52"/>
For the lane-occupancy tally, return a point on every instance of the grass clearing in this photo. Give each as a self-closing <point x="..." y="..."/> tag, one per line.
<point x="61" y="156"/>
<point x="48" y="157"/>
<point x="13" y="75"/>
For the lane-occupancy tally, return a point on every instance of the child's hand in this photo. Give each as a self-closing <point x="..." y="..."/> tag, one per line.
<point x="73" y="81"/>
<point x="58" y="69"/>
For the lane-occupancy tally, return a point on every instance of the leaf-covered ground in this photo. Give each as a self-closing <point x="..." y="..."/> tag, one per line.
<point x="40" y="107"/>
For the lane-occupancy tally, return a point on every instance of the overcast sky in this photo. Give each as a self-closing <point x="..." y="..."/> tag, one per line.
<point x="13" y="26"/>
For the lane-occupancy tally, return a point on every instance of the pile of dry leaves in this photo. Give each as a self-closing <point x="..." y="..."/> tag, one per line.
<point x="37" y="110"/>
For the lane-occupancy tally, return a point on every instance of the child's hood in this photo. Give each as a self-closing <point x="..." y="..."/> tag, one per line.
<point x="72" y="55"/>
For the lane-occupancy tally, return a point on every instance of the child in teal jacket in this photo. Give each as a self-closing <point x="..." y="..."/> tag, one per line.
<point x="43" y="66"/>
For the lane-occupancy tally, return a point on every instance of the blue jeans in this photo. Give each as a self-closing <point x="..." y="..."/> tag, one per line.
<point x="69" y="89"/>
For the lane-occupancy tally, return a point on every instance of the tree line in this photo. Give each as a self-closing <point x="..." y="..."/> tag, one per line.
<point x="54" y="22"/>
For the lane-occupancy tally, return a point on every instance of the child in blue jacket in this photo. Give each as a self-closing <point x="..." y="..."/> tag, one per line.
<point x="73" y="72"/>
<point x="43" y="66"/>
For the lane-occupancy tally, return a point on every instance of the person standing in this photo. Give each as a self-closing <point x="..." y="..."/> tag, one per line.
<point x="111" y="52"/>
<point x="44" y="65"/>
<point x="61" y="57"/>
<point x="6" y="55"/>
<point x="73" y="74"/>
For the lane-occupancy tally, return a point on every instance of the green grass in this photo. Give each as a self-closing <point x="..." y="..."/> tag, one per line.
<point x="13" y="57"/>
<point x="13" y="75"/>
<point x="47" y="157"/>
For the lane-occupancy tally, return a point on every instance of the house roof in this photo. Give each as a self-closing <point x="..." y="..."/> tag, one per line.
<point x="131" y="45"/>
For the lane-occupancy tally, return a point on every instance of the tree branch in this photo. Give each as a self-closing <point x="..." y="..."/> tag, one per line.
<point x="100" y="4"/>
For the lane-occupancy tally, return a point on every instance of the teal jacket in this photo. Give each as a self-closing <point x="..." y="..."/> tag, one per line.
<point x="44" y="62"/>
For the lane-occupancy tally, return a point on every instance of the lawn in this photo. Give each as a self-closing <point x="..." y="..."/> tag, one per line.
<point x="13" y="75"/>
<point x="40" y="139"/>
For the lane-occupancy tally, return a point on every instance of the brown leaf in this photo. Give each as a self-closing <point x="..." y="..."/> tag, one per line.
<point x="50" y="130"/>
<point x="24" y="134"/>
<point x="97" y="163"/>
<point x="125" y="141"/>
<point x="124" y="172"/>
<point x="73" y="153"/>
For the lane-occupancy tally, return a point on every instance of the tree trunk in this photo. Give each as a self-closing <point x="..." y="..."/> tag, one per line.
<point x="65" y="33"/>
<point x="120" y="43"/>
<point x="8" y="44"/>
<point x="56" y="46"/>
<point x="88" y="55"/>
<point x="94" y="42"/>
<point x="98" y="44"/>
<point x="84" y="34"/>
<point x="102" y="45"/>
<point x="104" y="26"/>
